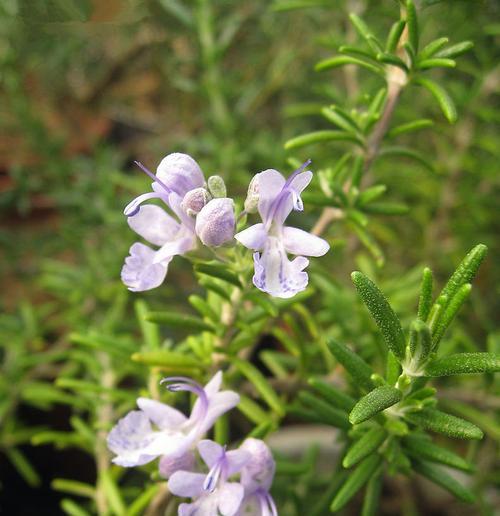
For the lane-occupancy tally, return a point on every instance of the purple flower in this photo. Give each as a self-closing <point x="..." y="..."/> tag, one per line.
<point x="256" y="477"/>
<point x="215" y="222"/>
<point x="146" y="268"/>
<point x="136" y="442"/>
<point x="274" y="272"/>
<point x="212" y="493"/>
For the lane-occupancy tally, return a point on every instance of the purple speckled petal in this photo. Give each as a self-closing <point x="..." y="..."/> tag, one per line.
<point x="186" y="484"/>
<point x="154" y="224"/>
<point x="130" y="435"/>
<point x="276" y="274"/>
<point x="215" y="222"/>
<point x="180" y="173"/>
<point x="163" y="416"/>
<point x="230" y="496"/>
<point x="210" y="451"/>
<point x="141" y="271"/>
<point x="297" y="241"/>
<point x="253" y="237"/>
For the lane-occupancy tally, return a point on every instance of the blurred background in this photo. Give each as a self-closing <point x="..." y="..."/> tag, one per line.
<point x="88" y="86"/>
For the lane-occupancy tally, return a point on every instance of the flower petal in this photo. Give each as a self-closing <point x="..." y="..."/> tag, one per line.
<point x="180" y="173"/>
<point x="130" y="438"/>
<point x="253" y="237"/>
<point x="182" y="244"/>
<point x="297" y="241"/>
<point x="236" y="459"/>
<point x="172" y="443"/>
<point x="276" y="274"/>
<point x="270" y="183"/>
<point x="219" y="404"/>
<point x="141" y="271"/>
<point x="230" y="496"/>
<point x="210" y="451"/>
<point x="301" y="181"/>
<point x="175" y="203"/>
<point x="161" y="414"/>
<point x="258" y="472"/>
<point x="291" y="199"/>
<point x="154" y="224"/>
<point x="213" y="386"/>
<point x="186" y="484"/>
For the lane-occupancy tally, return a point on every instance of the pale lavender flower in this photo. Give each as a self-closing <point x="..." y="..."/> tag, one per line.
<point x="146" y="268"/>
<point x="212" y="494"/>
<point x="256" y="477"/>
<point x="215" y="222"/>
<point x="274" y="272"/>
<point x="136" y="442"/>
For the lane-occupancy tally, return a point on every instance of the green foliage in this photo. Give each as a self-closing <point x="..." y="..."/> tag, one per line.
<point x="374" y="402"/>
<point x="382" y="312"/>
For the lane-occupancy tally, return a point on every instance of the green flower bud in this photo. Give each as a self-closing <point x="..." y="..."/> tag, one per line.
<point x="216" y="186"/>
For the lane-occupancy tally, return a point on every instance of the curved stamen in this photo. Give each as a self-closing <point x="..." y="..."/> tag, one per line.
<point x="295" y="173"/>
<point x="134" y="206"/>
<point x="152" y="176"/>
<point x="182" y="383"/>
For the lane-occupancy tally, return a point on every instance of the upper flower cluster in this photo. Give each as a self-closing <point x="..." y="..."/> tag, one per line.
<point x="202" y="210"/>
<point x="180" y="184"/>
<point x="175" y="439"/>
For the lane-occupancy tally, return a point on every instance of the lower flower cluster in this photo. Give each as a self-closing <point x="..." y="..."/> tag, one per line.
<point x="237" y="481"/>
<point x="219" y="491"/>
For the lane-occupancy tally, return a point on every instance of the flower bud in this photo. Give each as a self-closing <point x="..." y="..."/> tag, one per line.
<point x="180" y="173"/>
<point x="169" y="465"/>
<point x="195" y="200"/>
<point x="252" y="200"/>
<point x="258" y="472"/>
<point x="215" y="222"/>
<point x="217" y="186"/>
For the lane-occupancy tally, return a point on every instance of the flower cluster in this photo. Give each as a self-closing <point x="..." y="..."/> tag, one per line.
<point x="176" y="438"/>
<point x="202" y="211"/>
<point x="180" y="184"/>
<point x="272" y="240"/>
